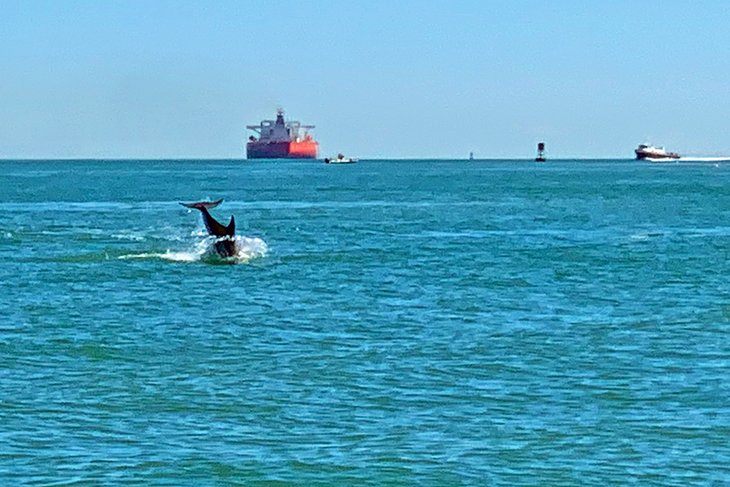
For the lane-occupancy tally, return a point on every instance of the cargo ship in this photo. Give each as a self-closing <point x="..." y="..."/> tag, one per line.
<point x="279" y="139"/>
<point x="654" y="154"/>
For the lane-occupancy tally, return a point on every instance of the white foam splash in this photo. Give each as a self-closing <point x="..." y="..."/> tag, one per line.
<point x="204" y="251"/>
<point x="180" y="256"/>
<point x="250" y="248"/>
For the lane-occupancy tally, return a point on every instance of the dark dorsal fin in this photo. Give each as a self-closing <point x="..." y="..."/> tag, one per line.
<point x="231" y="228"/>
<point x="213" y="226"/>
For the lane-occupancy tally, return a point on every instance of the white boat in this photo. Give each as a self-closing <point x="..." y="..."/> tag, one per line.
<point x="654" y="154"/>
<point x="340" y="159"/>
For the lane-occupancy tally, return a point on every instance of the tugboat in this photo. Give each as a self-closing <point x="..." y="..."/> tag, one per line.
<point x="279" y="139"/>
<point x="654" y="154"/>
<point x="340" y="159"/>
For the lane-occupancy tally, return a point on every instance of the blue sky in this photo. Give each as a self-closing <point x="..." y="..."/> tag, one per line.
<point x="426" y="79"/>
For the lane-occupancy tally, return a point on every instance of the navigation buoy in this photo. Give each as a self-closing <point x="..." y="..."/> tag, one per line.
<point x="540" y="152"/>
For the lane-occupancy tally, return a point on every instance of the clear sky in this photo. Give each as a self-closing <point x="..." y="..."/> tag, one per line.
<point x="425" y="79"/>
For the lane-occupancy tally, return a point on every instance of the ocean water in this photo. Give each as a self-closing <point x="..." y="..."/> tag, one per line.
<point x="431" y="323"/>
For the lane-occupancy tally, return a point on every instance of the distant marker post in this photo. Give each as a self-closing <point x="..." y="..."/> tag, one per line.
<point x="540" y="152"/>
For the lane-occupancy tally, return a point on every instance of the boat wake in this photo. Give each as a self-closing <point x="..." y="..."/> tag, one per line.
<point x="689" y="159"/>
<point x="248" y="248"/>
<point x="706" y="159"/>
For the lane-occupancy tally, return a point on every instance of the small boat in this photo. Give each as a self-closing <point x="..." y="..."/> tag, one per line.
<point x="654" y="154"/>
<point x="340" y="159"/>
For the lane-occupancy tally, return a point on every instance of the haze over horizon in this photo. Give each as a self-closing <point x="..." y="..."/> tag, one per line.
<point x="412" y="79"/>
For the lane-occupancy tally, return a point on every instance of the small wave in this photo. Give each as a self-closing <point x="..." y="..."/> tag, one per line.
<point x="648" y="235"/>
<point x="128" y="236"/>
<point x="148" y="234"/>
<point x="171" y="256"/>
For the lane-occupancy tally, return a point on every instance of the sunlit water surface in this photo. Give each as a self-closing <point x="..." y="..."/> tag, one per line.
<point x="384" y="323"/>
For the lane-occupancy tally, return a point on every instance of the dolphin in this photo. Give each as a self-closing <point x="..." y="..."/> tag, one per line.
<point x="225" y="244"/>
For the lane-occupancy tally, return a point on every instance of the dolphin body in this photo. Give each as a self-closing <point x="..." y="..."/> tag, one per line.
<point x="225" y="245"/>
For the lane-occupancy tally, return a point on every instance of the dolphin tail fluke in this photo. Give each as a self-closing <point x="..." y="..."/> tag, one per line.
<point x="211" y="224"/>
<point x="203" y="204"/>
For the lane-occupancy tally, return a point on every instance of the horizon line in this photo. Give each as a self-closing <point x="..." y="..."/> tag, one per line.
<point x="530" y="159"/>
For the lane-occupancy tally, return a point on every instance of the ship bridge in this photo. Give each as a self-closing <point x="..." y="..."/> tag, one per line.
<point x="279" y="130"/>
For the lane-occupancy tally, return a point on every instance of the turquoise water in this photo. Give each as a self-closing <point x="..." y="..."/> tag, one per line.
<point x="387" y="323"/>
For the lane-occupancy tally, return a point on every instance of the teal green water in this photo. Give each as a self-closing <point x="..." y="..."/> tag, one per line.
<point x="388" y="323"/>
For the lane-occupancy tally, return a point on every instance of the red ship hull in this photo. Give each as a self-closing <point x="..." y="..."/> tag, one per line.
<point x="305" y="149"/>
<point x="643" y="155"/>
